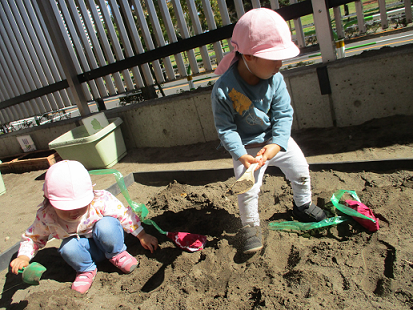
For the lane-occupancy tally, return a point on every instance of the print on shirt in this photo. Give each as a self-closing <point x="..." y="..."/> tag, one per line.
<point x="242" y="103"/>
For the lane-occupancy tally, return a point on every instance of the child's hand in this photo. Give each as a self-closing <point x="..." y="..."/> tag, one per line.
<point x="248" y="160"/>
<point x="19" y="263"/>
<point x="268" y="152"/>
<point x="148" y="241"/>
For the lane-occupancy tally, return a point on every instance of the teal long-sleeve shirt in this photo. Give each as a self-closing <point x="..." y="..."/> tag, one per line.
<point x="247" y="114"/>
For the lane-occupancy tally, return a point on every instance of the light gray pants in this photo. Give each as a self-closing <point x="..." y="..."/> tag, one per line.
<point x="295" y="168"/>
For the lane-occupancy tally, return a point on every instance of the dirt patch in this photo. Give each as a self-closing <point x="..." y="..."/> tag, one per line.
<point x="241" y="186"/>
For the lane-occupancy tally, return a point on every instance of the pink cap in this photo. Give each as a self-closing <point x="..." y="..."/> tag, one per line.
<point x="68" y="185"/>
<point x="262" y="33"/>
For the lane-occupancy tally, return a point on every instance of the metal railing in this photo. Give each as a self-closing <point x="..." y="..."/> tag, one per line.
<point x="59" y="53"/>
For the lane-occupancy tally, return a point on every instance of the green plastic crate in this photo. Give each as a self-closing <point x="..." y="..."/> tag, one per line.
<point x="100" y="150"/>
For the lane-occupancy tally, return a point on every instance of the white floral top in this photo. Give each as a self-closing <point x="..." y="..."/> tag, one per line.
<point x="48" y="225"/>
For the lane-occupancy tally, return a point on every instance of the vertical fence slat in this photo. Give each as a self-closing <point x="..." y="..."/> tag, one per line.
<point x="185" y="34"/>
<point x="323" y="30"/>
<point x="3" y="119"/>
<point x="136" y="41"/>
<point x="99" y="59"/>
<point x="115" y="42"/>
<point x="198" y="30"/>
<point x="171" y="35"/>
<point x="62" y="99"/>
<point x="59" y="38"/>
<point x="9" y="114"/>
<point x="408" y="10"/>
<point x="73" y="43"/>
<point x="55" y="100"/>
<point x="65" y="40"/>
<point x="89" y="61"/>
<point x="6" y="116"/>
<point x="105" y="46"/>
<point x="383" y="14"/>
<point x="39" y="75"/>
<point x="4" y="90"/>
<point x="256" y="4"/>
<point x="239" y="8"/>
<point x="23" y="62"/>
<point x="223" y="10"/>
<point x="148" y="39"/>
<point x="339" y="22"/>
<point x="275" y="5"/>
<point x="125" y="41"/>
<point x="360" y="16"/>
<point x="14" y="59"/>
<point x="156" y="27"/>
<point x="30" y="68"/>
<point x="13" y="114"/>
<point x="11" y="89"/>
<point x="299" y="33"/>
<point x="212" y="25"/>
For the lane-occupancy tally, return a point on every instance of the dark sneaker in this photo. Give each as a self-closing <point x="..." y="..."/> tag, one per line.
<point x="251" y="236"/>
<point x="308" y="213"/>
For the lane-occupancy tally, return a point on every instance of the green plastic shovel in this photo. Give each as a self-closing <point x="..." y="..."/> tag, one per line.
<point x="32" y="273"/>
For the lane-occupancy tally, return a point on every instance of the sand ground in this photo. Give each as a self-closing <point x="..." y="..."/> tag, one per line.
<point x="343" y="267"/>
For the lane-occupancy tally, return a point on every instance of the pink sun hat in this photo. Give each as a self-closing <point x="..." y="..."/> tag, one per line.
<point x="262" y="33"/>
<point x="68" y="185"/>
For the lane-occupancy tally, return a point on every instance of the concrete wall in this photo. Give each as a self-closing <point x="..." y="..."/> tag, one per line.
<point x="375" y="84"/>
<point x="372" y="85"/>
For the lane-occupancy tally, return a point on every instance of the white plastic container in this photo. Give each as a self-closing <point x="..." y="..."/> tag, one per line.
<point x="2" y="187"/>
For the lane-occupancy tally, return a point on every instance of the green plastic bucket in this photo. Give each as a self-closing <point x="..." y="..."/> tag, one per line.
<point x="98" y="151"/>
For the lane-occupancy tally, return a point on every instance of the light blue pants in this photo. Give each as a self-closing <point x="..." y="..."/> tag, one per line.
<point x="295" y="168"/>
<point x="107" y="241"/>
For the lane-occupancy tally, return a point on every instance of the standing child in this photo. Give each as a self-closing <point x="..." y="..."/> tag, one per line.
<point x="91" y="224"/>
<point x="253" y="116"/>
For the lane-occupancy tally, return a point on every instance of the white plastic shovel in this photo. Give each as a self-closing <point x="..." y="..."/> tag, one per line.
<point x="246" y="181"/>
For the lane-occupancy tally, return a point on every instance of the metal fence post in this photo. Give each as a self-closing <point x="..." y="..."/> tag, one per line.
<point x="64" y="57"/>
<point x="408" y="10"/>
<point x="383" y="14"/>
<point x="323" y="30"/>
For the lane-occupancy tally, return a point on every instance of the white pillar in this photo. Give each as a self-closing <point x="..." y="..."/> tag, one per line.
<point x="408" y="10"/>
<point x="360" y="16"/>
<point x="298" y="29"/>
<point x="323" y="30"/>
<point x="383" y="14"/>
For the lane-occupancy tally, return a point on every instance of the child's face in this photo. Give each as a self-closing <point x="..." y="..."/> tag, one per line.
<point x="263" y="68"/>
<point x="71" y="215"/>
